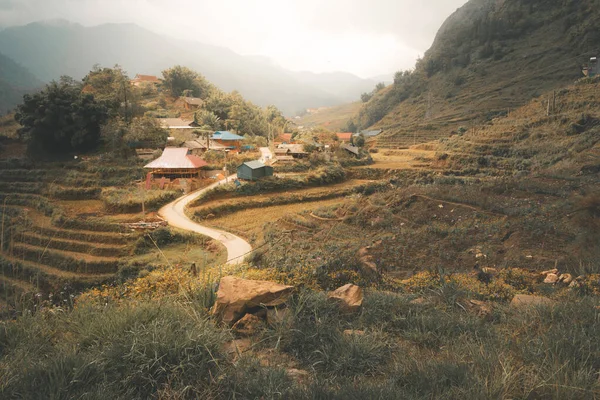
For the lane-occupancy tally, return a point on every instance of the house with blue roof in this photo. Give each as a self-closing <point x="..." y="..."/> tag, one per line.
<point x="228" y="139"/>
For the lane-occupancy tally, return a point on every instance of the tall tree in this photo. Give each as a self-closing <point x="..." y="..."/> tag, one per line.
<point x="110" y="86"/>
<point x="179" y="79"/>
<point x="61" y="119"/>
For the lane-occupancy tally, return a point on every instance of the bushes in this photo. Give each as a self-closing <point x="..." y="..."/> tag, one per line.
<point x="130" y="200"/>
<point x="73" y="193"/>
<point x="132" y="351"/>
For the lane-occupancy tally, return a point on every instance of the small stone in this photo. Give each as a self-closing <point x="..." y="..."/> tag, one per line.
<point x="481" y="308"/>
<point x="418" y="301"/>
<point x="551" y="271"/>
<point x="298" y="375"/>
<point x="577" y="282"/>
<point x="527" y="300"/>
<point x="565" y="278"/>
<point x="349" y="297"/>
<point x="248" y="325"/>
<point x="551" y="279"/>
<point x="354" y="332"/>
<point x="237" y="346"/>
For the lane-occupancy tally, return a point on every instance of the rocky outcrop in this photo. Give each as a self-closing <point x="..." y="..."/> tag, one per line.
<point x="349" y="297"/>
<point x="237" y="296"/>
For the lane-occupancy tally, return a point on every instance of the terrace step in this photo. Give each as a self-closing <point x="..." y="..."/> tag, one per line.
<point x="66" y="260"/>
<point x="22" y="187"/>
<point x="91" y="248"/>
<point x="107" y="238"/>
<point x="14" y="287"/>
<point x="49" y="278"/>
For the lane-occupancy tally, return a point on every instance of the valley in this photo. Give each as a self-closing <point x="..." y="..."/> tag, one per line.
<point x="164" y="237"/>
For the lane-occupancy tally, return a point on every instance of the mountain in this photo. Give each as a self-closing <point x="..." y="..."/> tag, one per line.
<point x="489" y="57"/>
<point x="15" y="81"/>
<point x="55" y="48"/>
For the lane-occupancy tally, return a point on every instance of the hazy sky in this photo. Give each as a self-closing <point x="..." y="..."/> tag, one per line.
<point x="365" y="37"/>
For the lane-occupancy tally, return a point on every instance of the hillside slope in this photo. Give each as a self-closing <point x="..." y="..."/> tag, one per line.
<point x="488" y="57"/>
<point x="50" y="50"/>
<point x="15" y="81"/>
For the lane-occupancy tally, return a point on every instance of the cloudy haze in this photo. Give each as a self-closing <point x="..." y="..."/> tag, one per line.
<point x="364" y="37"/>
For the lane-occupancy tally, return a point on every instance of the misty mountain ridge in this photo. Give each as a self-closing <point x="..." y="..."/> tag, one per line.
<point x="15" y="81"/>
<point x="50" y="49"/>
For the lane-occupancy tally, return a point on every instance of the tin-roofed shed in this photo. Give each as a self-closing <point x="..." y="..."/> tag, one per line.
<point x="254" y="170"/>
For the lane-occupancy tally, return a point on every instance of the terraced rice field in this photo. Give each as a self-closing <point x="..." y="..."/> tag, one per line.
<point x="42" y="254"/>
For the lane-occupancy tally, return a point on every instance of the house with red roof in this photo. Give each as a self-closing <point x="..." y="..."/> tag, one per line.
<point x="176" y="162"/>
<point x="344" y="137"/>
<point x="140" y="79"/>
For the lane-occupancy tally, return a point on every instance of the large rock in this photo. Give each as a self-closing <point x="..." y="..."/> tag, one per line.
<point x="526" y="300"/>
<point x="237" y="296"/>
<point x="349" y="297"/>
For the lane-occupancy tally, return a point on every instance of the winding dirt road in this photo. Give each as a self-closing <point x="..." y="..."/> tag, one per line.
<point x="174" y="213"/>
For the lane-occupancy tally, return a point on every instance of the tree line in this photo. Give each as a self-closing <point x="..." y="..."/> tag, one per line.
<point x="104" y="110"/>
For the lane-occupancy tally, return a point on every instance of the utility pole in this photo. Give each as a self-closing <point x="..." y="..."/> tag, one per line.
<point x="2" y="229"/>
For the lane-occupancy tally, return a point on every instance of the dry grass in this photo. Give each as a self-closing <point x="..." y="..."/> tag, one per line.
<point x="332" y="118"/>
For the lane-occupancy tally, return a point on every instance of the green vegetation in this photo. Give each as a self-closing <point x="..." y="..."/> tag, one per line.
<point x="61" y="119"/>
<point x="129" y="200"/>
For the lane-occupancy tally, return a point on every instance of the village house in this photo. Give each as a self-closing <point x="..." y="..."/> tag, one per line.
<point x="369" y="134"/>
<point x="294" y="150"/>
<point x="344" y="137"/>
<point x="192" y="103"/>
<point x="176" y="162"/>
<point x="228" y="139"/>
<point x="284" y="138"/>
<point x="351" y="149"/>
<point x="175" y="123"/>
<point x="141" y="79"/>
<point x="254" y="170"/>
<point x="200" y="146"/>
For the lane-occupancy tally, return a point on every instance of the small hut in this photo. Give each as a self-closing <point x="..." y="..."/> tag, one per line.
<point x="254" y="170"/>
<point x="176" y="162"/>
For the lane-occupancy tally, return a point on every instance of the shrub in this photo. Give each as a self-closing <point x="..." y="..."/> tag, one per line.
<point x="130" y="200"/>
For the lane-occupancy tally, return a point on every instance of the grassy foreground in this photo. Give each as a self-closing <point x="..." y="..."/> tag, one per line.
<point x="159" y="341"/>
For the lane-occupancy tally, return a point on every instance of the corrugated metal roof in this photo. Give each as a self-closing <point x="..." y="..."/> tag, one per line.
<point x="352" y="149"/>
<point x="201" y="144"/>
<point x="176" y="158"/>
<point x="226" y="135"/>
<point x="193" y="101"/>
<point x="370" y="133"/>
<point x="293" y="148"/>
<point x="254" y="164"/>
<point x="174" y="123"/>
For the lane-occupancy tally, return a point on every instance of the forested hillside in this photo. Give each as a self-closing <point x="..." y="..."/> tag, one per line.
<point x="488" y="57"/>
<point x="15" y="81"/>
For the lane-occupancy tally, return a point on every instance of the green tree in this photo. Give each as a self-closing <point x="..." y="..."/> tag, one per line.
<point x="379" y="87"/>
<point x="61" y="119"/>
<point x="110" y="87"/>
<point x="358" y="141"/>
<point x="178" y="78"/>
<point x="145" y="132"/>
<point x="180" y="81"/>
<point x="207" y="120"/>
<point x="365" y="97"/>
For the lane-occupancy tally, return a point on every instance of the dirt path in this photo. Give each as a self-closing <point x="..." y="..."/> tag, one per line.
<point x="174" y="213"/>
